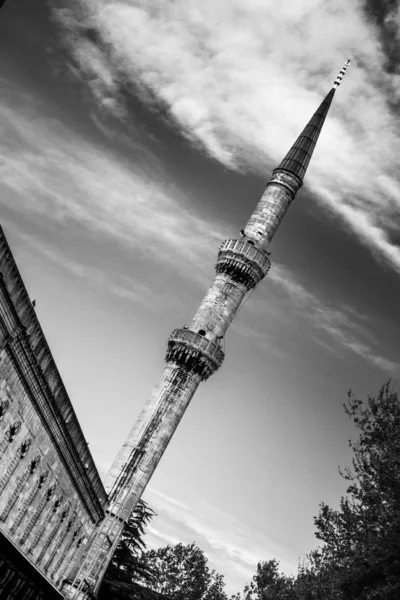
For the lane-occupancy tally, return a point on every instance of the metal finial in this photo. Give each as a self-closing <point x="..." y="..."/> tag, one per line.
<point x="339" y="78"/>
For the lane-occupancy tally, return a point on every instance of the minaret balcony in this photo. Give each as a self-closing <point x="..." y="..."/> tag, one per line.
<point x="243" y="262"/>
<point x="195" y="352"/>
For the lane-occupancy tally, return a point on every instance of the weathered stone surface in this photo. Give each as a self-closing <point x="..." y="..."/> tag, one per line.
<point x="190" y="357"/>
<point x="243" y="262"/>
<point x="46" y="470"/>
<point x="135" y="464"/>
<point x="272" y="207"/>
<point x="19" y="579"/>
<point x="194" y="352"/>
<point x="219" y="306"/>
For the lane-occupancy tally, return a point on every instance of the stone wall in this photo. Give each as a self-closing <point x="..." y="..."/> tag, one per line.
<point x="51" y="495"/>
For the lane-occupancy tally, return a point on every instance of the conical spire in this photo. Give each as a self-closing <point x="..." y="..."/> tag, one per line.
<point x="297" y="159"/>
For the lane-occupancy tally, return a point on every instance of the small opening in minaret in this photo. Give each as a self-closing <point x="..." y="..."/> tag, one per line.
<point x="201" y="332"/>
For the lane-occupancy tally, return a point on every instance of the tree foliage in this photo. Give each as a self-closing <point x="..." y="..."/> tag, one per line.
<point x="127" y="564"/>
<point x="360" y="554"/>
<point x="177" y="572"/>
<point x="269" y="584"/>
<point x="181" y="573"/>
<point x="361" y="539"/>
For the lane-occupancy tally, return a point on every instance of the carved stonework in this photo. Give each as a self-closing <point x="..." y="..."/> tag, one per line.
<point x="9" y="436"/>
<point x="13" y="431"/>
<point x="14" y="464"/>
<point x="38" y="425"/>
<point x="287" y="180"/>
<point x="243" y="262"/>
<point x="37" y="514"/>
<point x="47" y="545"/>
<point x="29" y="500"/>
<point x="194" y="352"/>
<point x="64" y="561"/>
<point x="26" y="347"/>
<point x="21" y="482"/>
<point x="4" y="406"/>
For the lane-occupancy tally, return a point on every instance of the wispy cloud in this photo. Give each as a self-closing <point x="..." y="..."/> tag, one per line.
<point x="225" y="540"/>
<point x="75" y="181"/>
<point x="342" y="325"/>
<point x="61" y="177"/>
<point x="240" y="79"/>
<point x="110" y="282"/>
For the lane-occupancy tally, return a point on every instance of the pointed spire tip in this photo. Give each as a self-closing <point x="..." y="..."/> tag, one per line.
<point x="342" y="73"/>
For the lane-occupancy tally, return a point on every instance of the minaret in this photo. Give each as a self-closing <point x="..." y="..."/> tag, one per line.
<point x="194" y="353"/>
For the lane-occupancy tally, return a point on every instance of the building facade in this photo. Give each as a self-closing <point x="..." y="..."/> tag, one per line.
<point x="51" y="495"/>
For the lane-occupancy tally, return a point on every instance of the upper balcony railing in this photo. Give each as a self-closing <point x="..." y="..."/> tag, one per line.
<point x="243" y="261"/>
<point x="211" y="349"/>
<point x="245" y="248"/>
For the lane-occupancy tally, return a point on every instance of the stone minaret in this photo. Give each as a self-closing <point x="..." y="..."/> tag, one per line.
<point x="194" y="353"/>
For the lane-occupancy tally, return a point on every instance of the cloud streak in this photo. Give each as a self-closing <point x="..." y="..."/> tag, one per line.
<point x="75" y="181"/>
<point x="341" y="325"/>
<point x="119" y="285"/>
<point x="240" y="79"/>
<point x="68" y="179"/>
<point x="222" y="537"/>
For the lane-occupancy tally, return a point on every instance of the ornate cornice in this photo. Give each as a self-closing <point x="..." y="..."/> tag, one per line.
<point x="243" y="262"/>
<point x="194" y="352"/>
<point x="287" y="180"/>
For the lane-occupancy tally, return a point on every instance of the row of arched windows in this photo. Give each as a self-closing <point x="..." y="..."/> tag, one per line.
<point x="36" y="511"/>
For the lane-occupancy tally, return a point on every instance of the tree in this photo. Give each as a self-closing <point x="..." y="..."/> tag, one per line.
<point x="181" y="573"/>
<point x="216" y="587"/>
<point x="127" y="564"/>
<point x="269" y="584"/>
<point x="361" y="539"/>
<point x="360" y="555"/>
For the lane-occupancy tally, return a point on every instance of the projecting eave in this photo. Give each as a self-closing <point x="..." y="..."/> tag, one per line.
<point x="54" y="404"/>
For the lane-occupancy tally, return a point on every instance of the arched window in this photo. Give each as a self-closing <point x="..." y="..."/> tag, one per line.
<point x="13" y="430"/>
<point x="3" y="408"/>
<point x="24" y="447"/>
<point x="42" y="479"/>
<point x="33" y="464"/>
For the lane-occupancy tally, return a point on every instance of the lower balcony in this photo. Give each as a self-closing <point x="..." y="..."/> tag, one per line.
<point x="195" y="352"/>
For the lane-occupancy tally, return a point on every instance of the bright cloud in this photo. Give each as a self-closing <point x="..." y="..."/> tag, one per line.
<point x="241" y="78"/>
<point x="97" y="189"/>
<point x="66" y="178"/>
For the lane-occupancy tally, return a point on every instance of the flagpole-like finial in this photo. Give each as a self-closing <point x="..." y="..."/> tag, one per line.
<point x="339" y="78"/>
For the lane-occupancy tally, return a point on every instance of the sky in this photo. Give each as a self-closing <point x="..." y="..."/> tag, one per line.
<point x="135" y="138"/>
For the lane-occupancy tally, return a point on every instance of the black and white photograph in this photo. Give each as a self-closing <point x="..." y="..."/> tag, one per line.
<point x="199" y="300"/>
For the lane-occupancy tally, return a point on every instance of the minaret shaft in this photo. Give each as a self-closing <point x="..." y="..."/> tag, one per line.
<point x="272" y="207"/>
<point x="219" y="306"/>
<point x="193" y="354"/>
<point x="152" y="432"/>
<point x="133" y="468"/>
